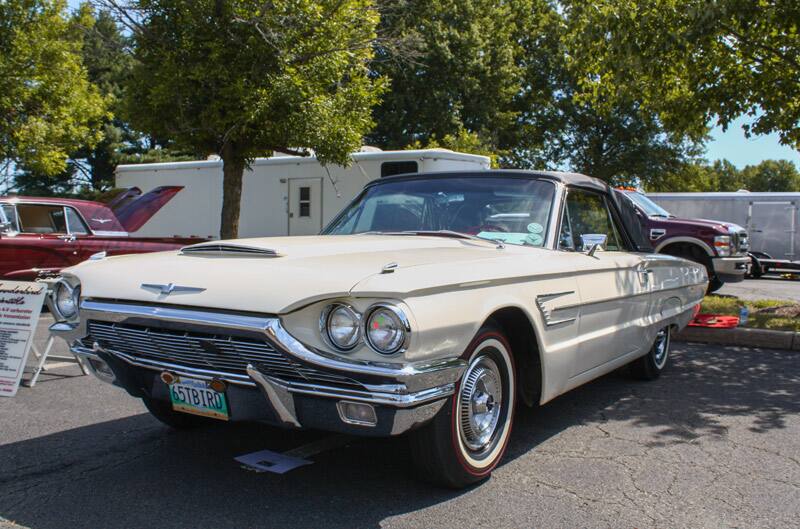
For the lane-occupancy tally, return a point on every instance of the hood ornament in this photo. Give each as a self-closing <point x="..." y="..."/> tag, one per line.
<point x="166" y="290"/>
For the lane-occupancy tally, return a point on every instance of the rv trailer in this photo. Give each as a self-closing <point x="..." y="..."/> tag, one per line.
<point x="771" y="219"/>
<point x="281" y="195"/>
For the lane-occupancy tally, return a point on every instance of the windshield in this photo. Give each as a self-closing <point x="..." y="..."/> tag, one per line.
<point x="511" y="210"/>
<point x="650" y="208"/>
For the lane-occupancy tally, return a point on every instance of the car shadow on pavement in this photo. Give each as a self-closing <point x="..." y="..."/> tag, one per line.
<point x="133" y="472"/>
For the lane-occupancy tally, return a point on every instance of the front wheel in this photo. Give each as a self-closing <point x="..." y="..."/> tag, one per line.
<point x="650" y="366"/>
<point x="468" y="437"/>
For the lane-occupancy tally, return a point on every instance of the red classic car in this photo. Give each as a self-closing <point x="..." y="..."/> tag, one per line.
<point x="40" y="236"/>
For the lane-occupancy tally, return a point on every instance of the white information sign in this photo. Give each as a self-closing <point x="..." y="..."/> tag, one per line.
<point x="20" y="305"/>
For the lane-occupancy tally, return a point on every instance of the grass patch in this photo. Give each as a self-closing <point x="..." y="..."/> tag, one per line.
<point x="770" y="314"/>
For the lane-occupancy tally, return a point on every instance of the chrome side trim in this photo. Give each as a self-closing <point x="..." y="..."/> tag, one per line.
<point x="547" y="313"/>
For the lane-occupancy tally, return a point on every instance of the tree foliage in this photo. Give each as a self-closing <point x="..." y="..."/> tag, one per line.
<point x="47" y="105"/>
<point x="722" y="175"/>
<point x="456" y="71"/>
<point x="692" y="60"/>
<point x="243" y="78"/>
<point x="499" y="74"/>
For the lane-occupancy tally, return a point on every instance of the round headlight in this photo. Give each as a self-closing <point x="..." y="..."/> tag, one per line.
<point x="341" y="326"/>
<point x="387" y="329"/>
<point x="66" y="299"/>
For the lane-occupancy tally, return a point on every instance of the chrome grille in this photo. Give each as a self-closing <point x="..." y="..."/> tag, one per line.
<point x="198" y="350"/>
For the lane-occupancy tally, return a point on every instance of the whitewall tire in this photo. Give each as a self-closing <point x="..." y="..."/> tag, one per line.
<point x="467" y="439"/>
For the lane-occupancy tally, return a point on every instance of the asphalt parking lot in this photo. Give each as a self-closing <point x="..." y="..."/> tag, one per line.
<point x="714" y="443"/>
<point x="767" y="287"/>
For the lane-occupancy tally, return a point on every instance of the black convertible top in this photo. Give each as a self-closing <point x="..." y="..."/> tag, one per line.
<point x="623" y="208"/>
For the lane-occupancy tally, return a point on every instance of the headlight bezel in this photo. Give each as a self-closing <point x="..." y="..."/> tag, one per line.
<point x="401" y="318"/>
<point x="362" y="311"/>
<point x="74" y="294"/>
<point x="325" y="331"/>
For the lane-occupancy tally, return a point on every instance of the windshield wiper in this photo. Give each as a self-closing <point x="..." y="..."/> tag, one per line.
<point x="440" y="233"/>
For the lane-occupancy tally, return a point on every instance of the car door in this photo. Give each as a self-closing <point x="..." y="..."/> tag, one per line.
<point x="39" y="241"/>
<point x="614" y="291"/>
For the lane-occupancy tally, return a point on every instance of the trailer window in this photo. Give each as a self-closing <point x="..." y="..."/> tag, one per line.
<point x="393" y="168"/>
<point x="305" y="201"/>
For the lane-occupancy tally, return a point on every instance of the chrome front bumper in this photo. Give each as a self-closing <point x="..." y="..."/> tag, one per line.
<point x="414" y="391"/>
<point x="731" y="269"/>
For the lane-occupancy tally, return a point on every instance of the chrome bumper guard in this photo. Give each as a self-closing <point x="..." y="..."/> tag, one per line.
<point x="416" y="390"/>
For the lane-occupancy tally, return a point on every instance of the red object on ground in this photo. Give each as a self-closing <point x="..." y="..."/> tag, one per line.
<point x="717" y="321"/>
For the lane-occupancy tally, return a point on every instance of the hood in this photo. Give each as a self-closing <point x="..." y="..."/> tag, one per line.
<point x="272" y="275"/>
<point x="133" y="209"/>
<point x="718" y="225"/>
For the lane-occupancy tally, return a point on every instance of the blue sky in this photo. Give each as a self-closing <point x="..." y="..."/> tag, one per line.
<point x="733" y="146"/>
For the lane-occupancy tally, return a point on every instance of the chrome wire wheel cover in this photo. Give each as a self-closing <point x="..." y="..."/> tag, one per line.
<point x="661" y="348"/>
<point x="480" y="403"/>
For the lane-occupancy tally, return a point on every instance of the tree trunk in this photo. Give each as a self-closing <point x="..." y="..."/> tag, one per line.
<point x="233" y="165"/>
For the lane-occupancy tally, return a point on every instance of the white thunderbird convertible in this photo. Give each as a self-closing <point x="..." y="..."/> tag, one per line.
<point x="432" y="305"/>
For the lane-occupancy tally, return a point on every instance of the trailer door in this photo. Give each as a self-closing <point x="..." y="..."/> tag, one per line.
<point x="772" y="228"/>
<point x="305" y="206"/>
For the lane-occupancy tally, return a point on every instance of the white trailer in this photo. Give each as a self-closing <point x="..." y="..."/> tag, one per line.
<point x="281" y="195"/>
<point x="771" y="219"/>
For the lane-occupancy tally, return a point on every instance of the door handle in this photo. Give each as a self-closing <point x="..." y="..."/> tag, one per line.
<point x="67" y="238"/>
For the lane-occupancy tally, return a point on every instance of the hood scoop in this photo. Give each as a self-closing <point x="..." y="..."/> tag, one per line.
<point x="228" y="250"/>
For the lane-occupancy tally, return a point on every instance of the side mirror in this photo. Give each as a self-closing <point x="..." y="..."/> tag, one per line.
<point x="591" y="242"/>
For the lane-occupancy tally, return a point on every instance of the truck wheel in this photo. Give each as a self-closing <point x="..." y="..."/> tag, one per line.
<point x="468" y="437"/>
<point x="649" y="366"/>
<point x="163" y="411"/>
<point x="694" y="253"/>
<point x="756" y="270"/>
<point x="714" y="284"/>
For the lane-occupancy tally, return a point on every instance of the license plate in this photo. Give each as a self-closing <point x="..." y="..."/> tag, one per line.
<point x="194" y="396"/>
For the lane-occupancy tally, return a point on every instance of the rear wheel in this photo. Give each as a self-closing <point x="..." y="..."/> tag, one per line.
<point x="163" y="411"/>
<point x="467" y="439"/>
<point x="650" y="366"/>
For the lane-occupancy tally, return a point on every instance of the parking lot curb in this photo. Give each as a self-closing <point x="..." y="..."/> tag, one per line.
<point x="742" y="336"/>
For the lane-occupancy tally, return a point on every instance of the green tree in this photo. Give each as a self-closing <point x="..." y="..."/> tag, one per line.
<point x="772" y="175"/>
<point x="691" y="60"/>
<point x="243" y="78"/>
<point x="48" y="106"/>
<point x="455" y="71"/>
<point x="620" y="141"/>
<point x="90" y="169"/>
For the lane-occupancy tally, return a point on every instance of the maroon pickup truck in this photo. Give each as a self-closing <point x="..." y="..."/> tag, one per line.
<point x="720" y="246"/>
<point x="40" y="236"/>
